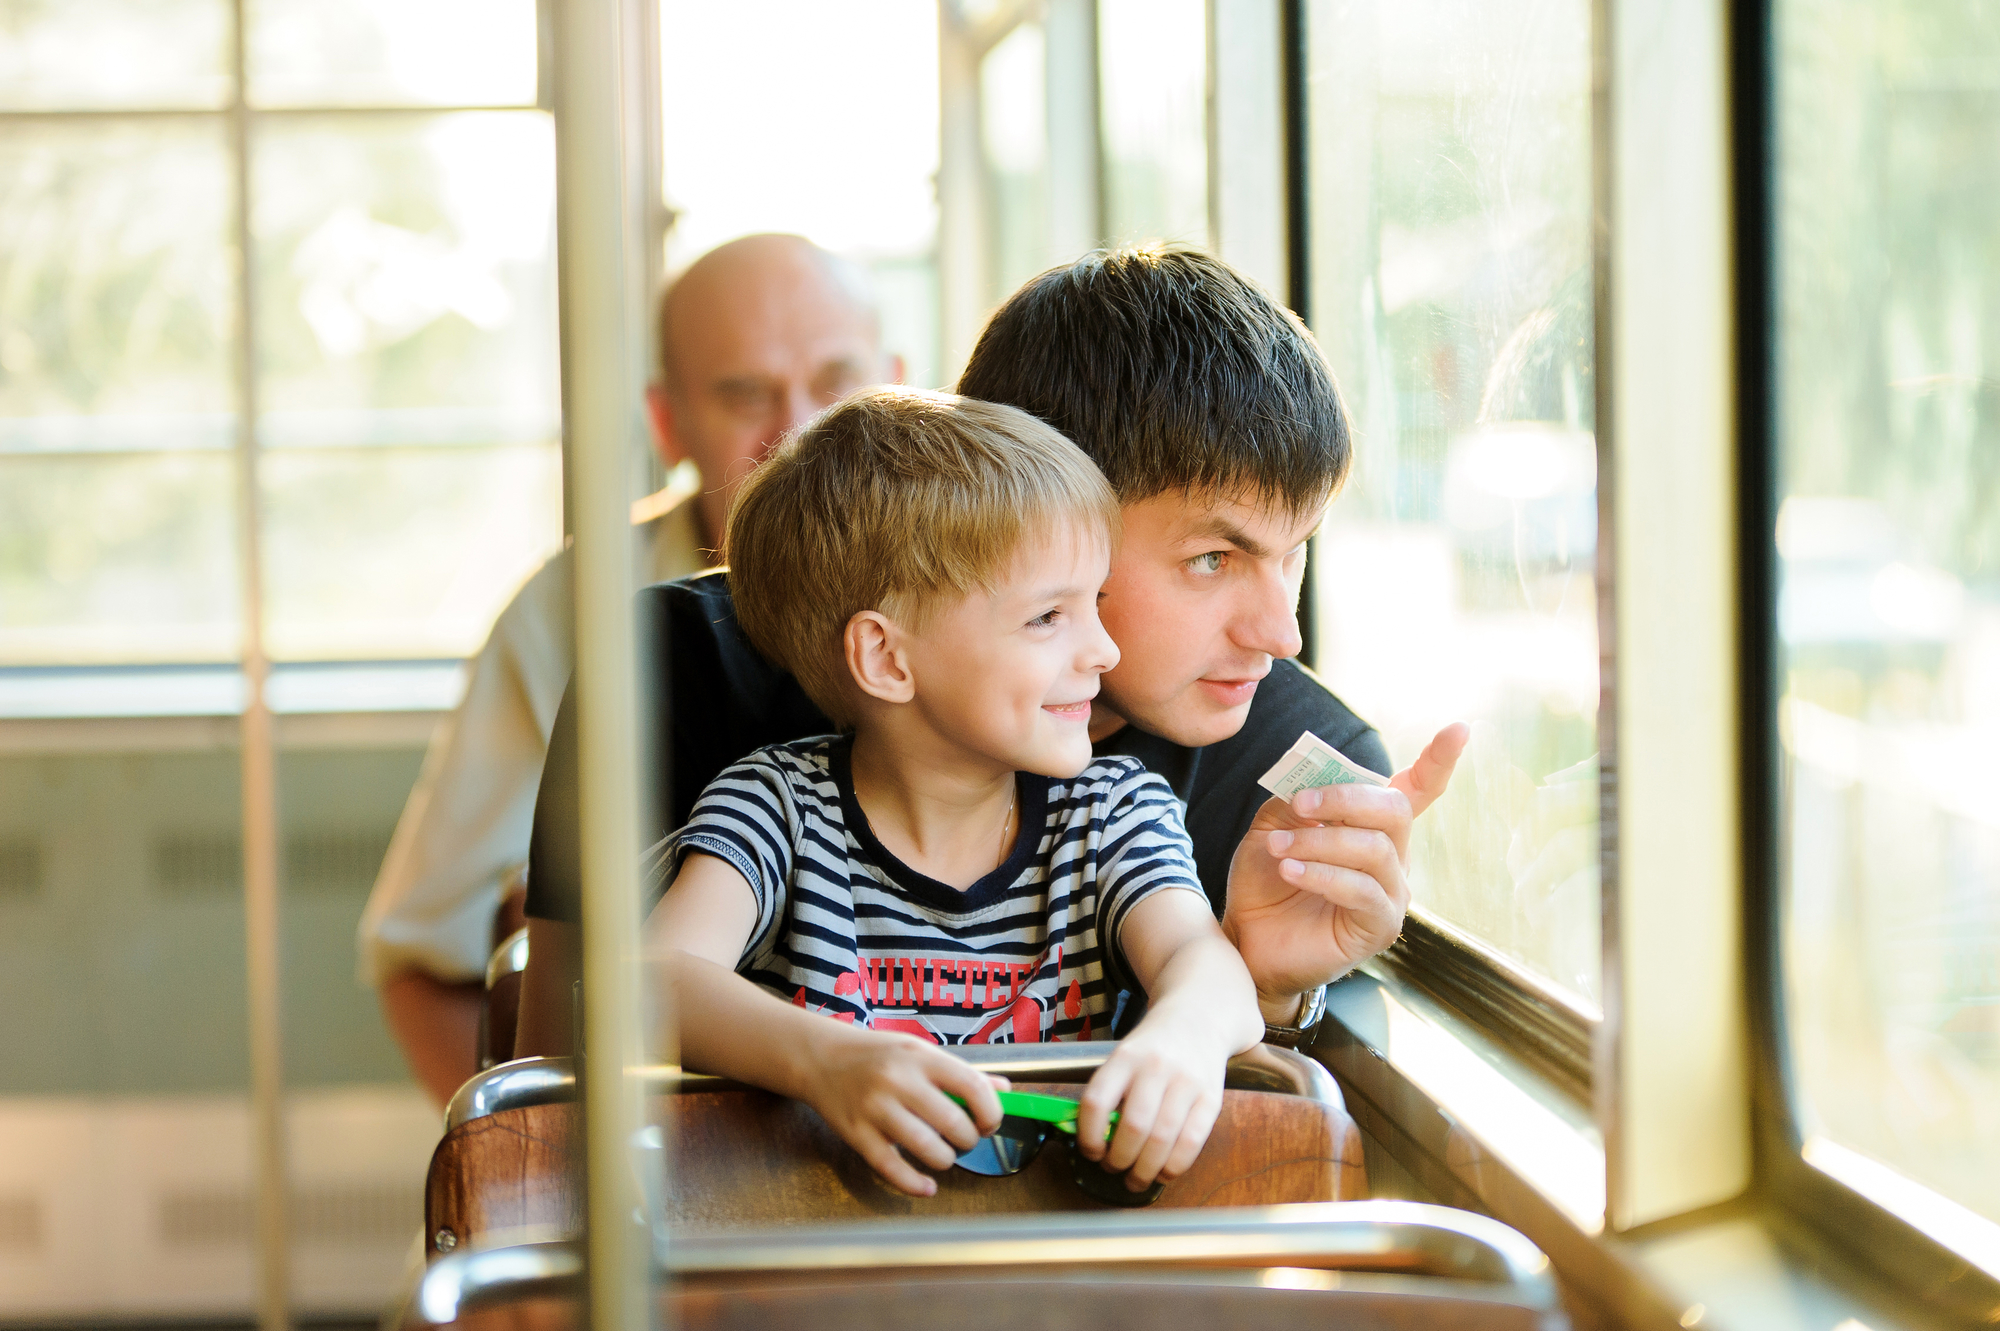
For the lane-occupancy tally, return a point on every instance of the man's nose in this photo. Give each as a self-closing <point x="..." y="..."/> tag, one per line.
<point x="794" y="405"/>
<point x="1267" y="620"/>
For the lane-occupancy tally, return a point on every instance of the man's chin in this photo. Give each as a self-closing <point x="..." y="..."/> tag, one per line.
<point x="1190" y="720"/>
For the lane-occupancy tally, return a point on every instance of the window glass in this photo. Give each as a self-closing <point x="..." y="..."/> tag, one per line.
<point x="1013" y="115"/>
<point x="392" y="552"/>
<point x="95" y="54"/>
<point x="408" y="373"/>
<point x="117" y="290"/>
<point x="118" y="557"/>
<point x="818" y="119"/>
<point x="1153" y="89"/>
<point x="1888" y="538"/>
<point x="392" y="52"/>
<point x="406" y="280"/>
<point x="1450" y="170"/>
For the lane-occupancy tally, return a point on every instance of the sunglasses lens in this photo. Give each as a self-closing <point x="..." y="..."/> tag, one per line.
<point x="1101" y="1184"/>
<point x="1009" y="1151"/>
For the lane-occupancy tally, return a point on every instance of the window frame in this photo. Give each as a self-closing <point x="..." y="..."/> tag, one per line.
<point x="1862" y="1229"/>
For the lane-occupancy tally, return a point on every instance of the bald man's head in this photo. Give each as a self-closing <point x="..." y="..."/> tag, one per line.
<point x="756" y="336"/>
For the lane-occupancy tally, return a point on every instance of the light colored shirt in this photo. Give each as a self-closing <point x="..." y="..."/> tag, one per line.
<point x="466" y="825"/>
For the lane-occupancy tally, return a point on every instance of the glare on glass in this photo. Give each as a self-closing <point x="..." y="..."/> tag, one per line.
<point x="832" y="135"/>
<point x="1152" y="90"/>
<point x="1451" y="272"/>
<point x="117" y="287"/>
<point x="1013" y="112"/>
<point x="406" y="281"/>
<point x="118" y="558"/>
<point x="374" y="554"/>
<point x="392" y="52"/>
<point x="60" y="55"/>
<point x="1888" y="539"/>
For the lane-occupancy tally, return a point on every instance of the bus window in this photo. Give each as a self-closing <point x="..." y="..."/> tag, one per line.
<point x="1449" y="150"/>
<point x="1887" y="309"/>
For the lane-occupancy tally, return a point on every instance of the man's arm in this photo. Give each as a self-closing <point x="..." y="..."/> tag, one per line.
<point x="546" y="1027"/>
<point x="437" y="1025"/>
<point x="1321" y="884"/>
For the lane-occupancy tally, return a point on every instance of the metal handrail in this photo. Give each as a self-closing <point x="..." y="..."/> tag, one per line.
<point x="1398" y="1238"/>
<point x="510" y="958"/>
<point x="542" y="1081"/>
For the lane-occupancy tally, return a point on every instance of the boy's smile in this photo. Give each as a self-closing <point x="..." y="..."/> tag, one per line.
<point x="1009" y="674"/>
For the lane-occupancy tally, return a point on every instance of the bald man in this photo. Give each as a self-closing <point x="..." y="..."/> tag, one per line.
<point x="755" y="336"/>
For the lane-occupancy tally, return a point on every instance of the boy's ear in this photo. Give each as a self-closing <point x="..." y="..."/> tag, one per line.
<point x="873" y="646"/>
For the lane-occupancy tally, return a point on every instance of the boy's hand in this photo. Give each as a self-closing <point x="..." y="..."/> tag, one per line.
<point x="882" y="1090"/>
<point x="1167" y="1093"/>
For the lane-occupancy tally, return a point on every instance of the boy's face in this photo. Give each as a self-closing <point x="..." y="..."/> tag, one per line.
<point x="1202" y="597"/>
<point x="1010" y="674"/>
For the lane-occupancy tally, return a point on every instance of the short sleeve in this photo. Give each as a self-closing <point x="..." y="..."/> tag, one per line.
<point x="748" y="818"/>
<point x="1144" y="849"/>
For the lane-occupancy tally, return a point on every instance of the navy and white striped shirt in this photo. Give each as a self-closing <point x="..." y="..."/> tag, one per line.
<point x="1028" y="953"/>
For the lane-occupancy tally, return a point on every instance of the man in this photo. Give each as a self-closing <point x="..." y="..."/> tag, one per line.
<point x="1215" y="418"/>
<point x="755" y="336"/>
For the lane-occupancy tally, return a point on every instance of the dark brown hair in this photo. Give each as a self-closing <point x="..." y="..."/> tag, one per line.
<point x="1173" y="372"/>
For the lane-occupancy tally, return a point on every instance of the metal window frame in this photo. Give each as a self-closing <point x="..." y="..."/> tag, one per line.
<point x="1863" y="1231"/>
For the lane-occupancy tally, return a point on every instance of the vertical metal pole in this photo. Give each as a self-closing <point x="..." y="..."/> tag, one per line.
<point x="259" y="766"/>
<point x="962" y="247"/>
<point x="597" y="202"/>
<point x="1076" y="192"/>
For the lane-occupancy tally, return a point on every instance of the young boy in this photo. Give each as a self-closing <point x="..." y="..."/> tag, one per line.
<point x="958" y="869"/>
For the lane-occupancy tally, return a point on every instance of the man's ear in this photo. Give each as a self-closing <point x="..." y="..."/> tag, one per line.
<point x="660" y="410"/>
<point x="875" y="658"/>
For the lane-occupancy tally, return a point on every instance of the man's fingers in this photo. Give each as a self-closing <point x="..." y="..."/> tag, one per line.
<point x="1424" y="780"/>
<point x="1349" y="889"/>
<point x="1360" y="848"/>
<point x="1385" y="809"/>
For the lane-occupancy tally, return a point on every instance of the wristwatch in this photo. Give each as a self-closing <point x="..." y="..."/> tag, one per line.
<point x="1291" y="1037"/>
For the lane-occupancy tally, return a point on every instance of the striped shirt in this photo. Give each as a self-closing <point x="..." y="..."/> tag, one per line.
<point x="1028" y="953"/>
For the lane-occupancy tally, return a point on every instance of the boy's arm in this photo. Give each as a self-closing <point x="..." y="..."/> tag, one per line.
<point x="1165" y="1079"/>
<point x="878" y="1090"/>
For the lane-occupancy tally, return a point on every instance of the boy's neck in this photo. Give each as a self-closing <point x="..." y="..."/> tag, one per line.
<point x="946" y="815"/>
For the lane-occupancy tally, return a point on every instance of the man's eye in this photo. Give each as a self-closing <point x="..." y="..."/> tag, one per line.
<point x="1044" y="620"/>
<point x="1208" y="563"/>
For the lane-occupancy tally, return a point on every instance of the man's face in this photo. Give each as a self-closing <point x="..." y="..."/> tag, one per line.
<point x="1203" y="595"/>
<point x="1010" y="674"/>
<point x="756" y="352"/>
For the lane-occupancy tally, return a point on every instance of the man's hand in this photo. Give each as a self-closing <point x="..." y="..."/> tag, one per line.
<point x="881" y="1090"/>
<point x="1320" y="885"/>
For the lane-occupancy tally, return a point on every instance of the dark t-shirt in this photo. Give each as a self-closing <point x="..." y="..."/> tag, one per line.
<point x="728" y="702"/>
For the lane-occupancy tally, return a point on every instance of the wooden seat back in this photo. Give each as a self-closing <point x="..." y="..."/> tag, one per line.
<point x="744" y="1157"/>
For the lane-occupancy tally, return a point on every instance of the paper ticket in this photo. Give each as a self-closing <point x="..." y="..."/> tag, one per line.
<point x="1312" y="762"/>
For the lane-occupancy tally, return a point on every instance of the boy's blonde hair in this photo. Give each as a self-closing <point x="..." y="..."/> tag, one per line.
<point x="892" y="500"/>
